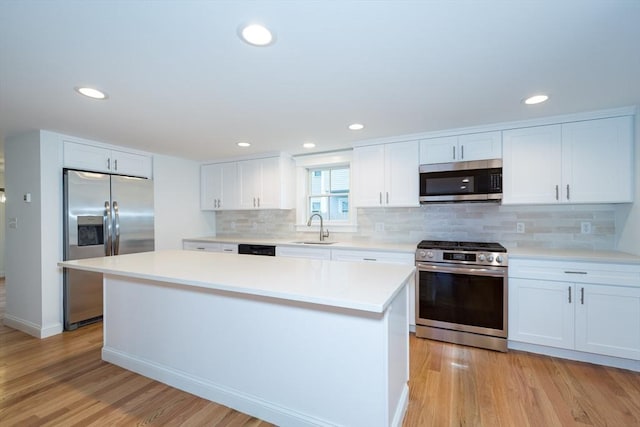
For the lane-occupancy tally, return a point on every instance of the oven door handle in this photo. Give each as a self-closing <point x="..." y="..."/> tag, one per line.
<point x="476" y="271"/>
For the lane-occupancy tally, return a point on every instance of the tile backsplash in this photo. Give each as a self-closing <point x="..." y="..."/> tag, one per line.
<point x="544" y="226"/>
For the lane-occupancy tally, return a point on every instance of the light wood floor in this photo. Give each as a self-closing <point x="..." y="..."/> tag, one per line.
<point x="62" y="381"/>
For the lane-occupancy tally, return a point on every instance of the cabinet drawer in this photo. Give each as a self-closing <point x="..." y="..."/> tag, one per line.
<point x="372" y="256"/>
<point x="297" y="252"/>
<point x="210" y="247"/>
<point x="576" y="272"/>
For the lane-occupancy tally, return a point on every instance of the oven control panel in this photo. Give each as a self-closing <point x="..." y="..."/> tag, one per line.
<point x="462" y="257"/>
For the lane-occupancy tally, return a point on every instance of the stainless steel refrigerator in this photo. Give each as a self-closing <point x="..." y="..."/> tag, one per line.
<point x="104" y="215"/>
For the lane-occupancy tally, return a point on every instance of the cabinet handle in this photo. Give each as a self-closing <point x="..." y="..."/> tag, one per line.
<point x="387" y="197"/>
<point x="258" y="201"/>
<point x="108" y="164"/>
<point x="380" y="197"/>
<point x="369" y="259"/>
<point x="115" y="164"/>
<point x="557" y="193"/>
<point x="575" y="272"/>
<point x="569" y="294"/>
<point x="454" y="152"/>
<point x="219" y="203"/>
<point x="582" y="295"/>
<point x="200" y="249"/>
<point x="568" y="192"/>
<point x="254" y="202"/>
<point x="462" y="152"/>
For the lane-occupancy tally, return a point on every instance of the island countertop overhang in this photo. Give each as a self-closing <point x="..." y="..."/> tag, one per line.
<point x="368" y="287"/>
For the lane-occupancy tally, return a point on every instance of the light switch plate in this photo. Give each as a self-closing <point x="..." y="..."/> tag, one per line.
<point x="519" y="227"/>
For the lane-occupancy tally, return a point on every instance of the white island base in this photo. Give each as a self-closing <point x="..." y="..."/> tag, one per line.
<point x="292" y="363"/>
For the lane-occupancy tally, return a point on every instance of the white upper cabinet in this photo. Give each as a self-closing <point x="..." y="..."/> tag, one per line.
<point x="266" y="183"/>
<point x="386" y="175"/>
<point x="98" y="159"/>
<point x="531" y="165"/>
<point x="581" y="162"/>
<point x="474" y="146"/>
<point x="219" y="186"/>
<point x="597" y="161"/>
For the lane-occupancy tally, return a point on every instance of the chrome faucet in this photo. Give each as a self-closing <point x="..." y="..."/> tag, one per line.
<point x="323" y="233"/>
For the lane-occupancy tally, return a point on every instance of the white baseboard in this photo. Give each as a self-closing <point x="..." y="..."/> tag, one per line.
<point x="402" y="407"/>
<point x="580" y="356"/>
<point x="31" y="328"/>
<point x="235" y="399"/>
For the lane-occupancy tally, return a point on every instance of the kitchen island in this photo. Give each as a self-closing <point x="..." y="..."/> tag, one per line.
<point x="291" y="341"/>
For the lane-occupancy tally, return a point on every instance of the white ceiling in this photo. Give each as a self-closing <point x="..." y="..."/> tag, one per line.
<point x="182" y="83"/>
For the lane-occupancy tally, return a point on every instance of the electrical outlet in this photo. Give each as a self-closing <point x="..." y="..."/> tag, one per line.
<point x="585" y="227"/>
<point x="519" y="227"/>
<point x="379" y="227"/>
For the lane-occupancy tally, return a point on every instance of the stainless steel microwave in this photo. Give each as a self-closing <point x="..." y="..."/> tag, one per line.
<point x="474" y="181"/>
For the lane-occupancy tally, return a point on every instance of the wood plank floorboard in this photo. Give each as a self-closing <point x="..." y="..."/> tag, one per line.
<point x="62" y="381"/>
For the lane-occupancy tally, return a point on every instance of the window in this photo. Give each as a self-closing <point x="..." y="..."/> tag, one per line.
<point x="323" y="183"/>
<point x="328" y="193"/>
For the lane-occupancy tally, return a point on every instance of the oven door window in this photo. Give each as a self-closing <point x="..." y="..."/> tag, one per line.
<point x="461" y="299"/>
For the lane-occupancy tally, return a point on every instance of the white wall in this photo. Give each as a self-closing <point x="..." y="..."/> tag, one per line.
<point x="2" y="228"/>
<point x="177" y="202"/>
<point x="33" y="281"/>
<point x="628" y="216"/>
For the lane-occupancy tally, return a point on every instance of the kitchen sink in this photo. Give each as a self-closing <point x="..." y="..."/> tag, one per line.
<point x="314" y="242"/>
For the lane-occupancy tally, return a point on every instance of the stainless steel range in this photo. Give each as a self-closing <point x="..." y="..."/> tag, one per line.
<point x="461" y="293"/>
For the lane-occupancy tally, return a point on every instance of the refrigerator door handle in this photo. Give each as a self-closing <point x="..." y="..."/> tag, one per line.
<point x="106" y="218"/>
<point x="116" y="247"/>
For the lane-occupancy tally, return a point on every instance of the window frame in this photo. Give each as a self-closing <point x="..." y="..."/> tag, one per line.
<point x="306" y="163"/>
<point x="330" y="195"/>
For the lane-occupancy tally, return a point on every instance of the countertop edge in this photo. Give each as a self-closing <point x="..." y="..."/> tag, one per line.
<point x="378" y="308"/>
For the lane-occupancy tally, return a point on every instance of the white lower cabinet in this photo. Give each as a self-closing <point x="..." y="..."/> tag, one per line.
<point x="587" y="307"/>
<point x="388" y="257"/>
<point x="231" y="248"/>
<point x="303" y="252"/>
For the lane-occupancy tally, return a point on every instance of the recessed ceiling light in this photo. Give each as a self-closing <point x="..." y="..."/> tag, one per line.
<point x="244" y="144"/>
<point x="356" y="126"/>
<point x="536" y="99"/>
<point x="256" y="35"/>
<point x="91" y="92"/>
<point x="308" y="145"/>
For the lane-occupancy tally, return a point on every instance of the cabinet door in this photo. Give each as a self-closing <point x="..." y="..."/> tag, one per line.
<point x="368" y="176"/>
<point x="249" y="177"/>
<point x="402" y="174"/>
<point x="480" y="146"/>
<point x="228" y="188"/>
<point x="597" y="161"/>
<point x="541" y="312"/>
<point x="132" y="164"/>
<point x="210" y="186"/>
<point x="608" y="320"/>
<point x="438" y="150"/>
<point x="531" y="165"/>
<point x="86" y="157"/>
<point x="219" y="188"/>
<point x="269" y="195"/>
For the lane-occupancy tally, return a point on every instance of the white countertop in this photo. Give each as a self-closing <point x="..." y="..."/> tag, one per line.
<point x="363" y="244"/>
<point x="367" y="287"/>
<point x="574" y="255"/>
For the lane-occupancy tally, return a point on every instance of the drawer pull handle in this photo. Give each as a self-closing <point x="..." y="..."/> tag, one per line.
<point x="575" y="272"/>
<point x="369" y="259"/>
